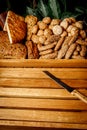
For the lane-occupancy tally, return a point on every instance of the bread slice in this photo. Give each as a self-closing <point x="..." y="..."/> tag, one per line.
<point x="15" y="26"/>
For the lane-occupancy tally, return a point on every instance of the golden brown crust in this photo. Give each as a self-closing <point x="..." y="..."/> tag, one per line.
<point x="52" y="55"/>
<point x="30" y="20"/>
<point x="13" y="51"/>
<point x="32" y="50"/>
<point x="4" y="37"/>
<point x="15" y="26"/>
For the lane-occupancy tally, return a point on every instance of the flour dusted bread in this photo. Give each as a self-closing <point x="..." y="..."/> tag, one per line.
<point x="15" y="26"/>
<point x="11" y="51"/>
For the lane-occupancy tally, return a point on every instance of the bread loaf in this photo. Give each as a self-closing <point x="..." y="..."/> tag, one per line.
<point x="32" y="50"/>
<point x="15" y="26"/>
<point x="11" y="51"/>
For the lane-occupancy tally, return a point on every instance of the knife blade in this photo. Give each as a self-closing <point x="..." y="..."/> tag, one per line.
<point x="67" y="87"/>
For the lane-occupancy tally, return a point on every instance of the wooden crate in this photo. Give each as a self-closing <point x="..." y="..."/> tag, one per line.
<point x="30" y="98"/>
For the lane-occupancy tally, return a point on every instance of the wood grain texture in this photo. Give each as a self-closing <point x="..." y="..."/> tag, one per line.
<point x="38" y="103"/>
<point x="63" y="73"/>
<point x="38" y="93"/>
<point x="69" y="126"/>
<point x="40" y="83"/>
<point x="47" y="116"/>
<point x="51" y="63"/>
<point x="30" y="98"/>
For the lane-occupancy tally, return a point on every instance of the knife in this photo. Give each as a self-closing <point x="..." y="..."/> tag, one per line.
<point x="70" y="89"/>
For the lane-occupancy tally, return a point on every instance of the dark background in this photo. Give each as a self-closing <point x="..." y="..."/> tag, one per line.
<point x="19" y="6"/>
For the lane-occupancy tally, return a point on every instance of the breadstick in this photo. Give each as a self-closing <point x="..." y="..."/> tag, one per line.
<point x="70" y="50"/>
<point x="53" y="38"/>
<point x="75" y="53"/>
<point x="83" y="34"/>
<point x="62" y="51"/>
<point x="64" y="48"/>
<point x="74" y="30"/>
<point x="43" y="48"/>
<point x="66" y="41"/>
<point x="78" y="48"/>
<point x="64" y="34"/>
<point x="69" y="28"/>
<point x="42" y="39"/>
<point x="73" y="39"/>
<point x="81" y="42"/>
<point x="46" y="52"/>
<point x="83" y="51"/>
<point x="77" y="57"/>
<point x="59" y="43"/>
<point x="49" y="56"/>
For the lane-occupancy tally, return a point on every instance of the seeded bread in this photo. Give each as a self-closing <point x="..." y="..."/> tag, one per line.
<point x="11" y="51"/>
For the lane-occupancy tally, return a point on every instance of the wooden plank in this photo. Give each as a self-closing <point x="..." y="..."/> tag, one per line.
<point x="35" y="93"/>
<point x="43" y="124"/>
<point x="63" y="73"/>
<point x="38" y="93"/>
<point x="52" y="104"/>
<point x="40" y="83"/>
<point x="38" y="63"/>
<point x="44" y="115"/>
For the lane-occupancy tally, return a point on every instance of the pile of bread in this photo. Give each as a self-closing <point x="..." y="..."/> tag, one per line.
<point x="29" y="38"/>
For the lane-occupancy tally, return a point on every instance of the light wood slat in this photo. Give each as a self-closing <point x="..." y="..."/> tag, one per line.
<point x="43" y="63"/>
<point x="38" y="92"/>
<point x="64" y="73"/>
<point x="43" y="124"/>
<point x="28" y="103"/>
<point x="41" y="115"/>
<point x="40" y="83"/>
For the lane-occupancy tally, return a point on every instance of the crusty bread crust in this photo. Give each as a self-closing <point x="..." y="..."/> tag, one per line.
<point x="32" y="50"/>
<point x="11" y="51"/>
<point x="30" y="21"/>
<point x="4" y="37"/>
<point x="15" y="26"/>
